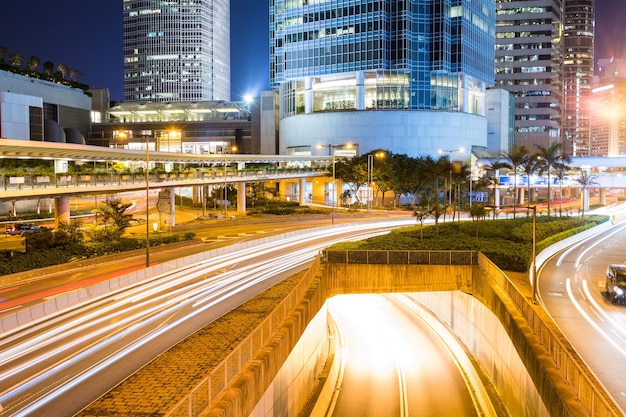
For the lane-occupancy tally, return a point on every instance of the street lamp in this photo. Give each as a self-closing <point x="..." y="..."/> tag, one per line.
<point x="370" y="177"/>
<point x="534" y="259"/>
<point x="332" y="148"/>
<point x="147" y="171"/>
<point x="225" y="151"/>
<point x="449" y="151"/>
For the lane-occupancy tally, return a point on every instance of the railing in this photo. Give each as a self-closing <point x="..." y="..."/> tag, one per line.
<point x="33" y="181"/>
<point x="591" y="393"/>
<point x="218" y="379"/>
<point x="401" y="257"/>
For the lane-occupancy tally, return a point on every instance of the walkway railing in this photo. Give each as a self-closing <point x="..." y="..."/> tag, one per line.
<point x="405" y="257"/>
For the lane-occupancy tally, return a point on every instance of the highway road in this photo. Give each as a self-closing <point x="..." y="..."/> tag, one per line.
<point x="57" y="367"/>
<point x="571" y="286"/>
<point x="395" y="365"/>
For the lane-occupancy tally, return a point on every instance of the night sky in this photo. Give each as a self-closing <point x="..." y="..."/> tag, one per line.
<point x="87" y="36"/>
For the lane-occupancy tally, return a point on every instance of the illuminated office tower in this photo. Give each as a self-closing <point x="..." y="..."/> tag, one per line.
<point x="176" y="51"/>
<point x="409" y="75"/>
<point x="528" y="65"/>
<point x="578" y="64"/>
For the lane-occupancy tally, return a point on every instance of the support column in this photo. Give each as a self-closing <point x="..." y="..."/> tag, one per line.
<point x="360" y="90"/>
<point x="241" y="198"/>
<point x="301" y="194"/>
<point x="308" y="95"/>
<point x="585" y="197"/>
<point x="172" y="206"/>
<point x="62" y="211"/>
<point x="496" y="200"/>
<point x="603" y="196"/>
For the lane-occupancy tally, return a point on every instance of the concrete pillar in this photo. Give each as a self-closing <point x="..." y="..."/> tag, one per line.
<point x="360" y="90"/>
<point x="308" y="95"/>
<point x="496" y="200"/>
<point x="241" y="198"/>
<point x="464" y="94"/>
<point x="172" y="206"/>
<point x="62" y="214"/>
<point x="603" y="196"/>
<point x="301" y="194"/>
<point x="585" y="202"/>
<point x="522" y="191"/>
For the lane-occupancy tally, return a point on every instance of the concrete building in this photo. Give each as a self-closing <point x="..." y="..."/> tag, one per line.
<point x="578" y="66"/>
<point x="528" y="65"/>
<point x="608" y="115"/>
<point x="176" y="51"/>
<point x="406" y="76"/>
<point x="35" y="109"/>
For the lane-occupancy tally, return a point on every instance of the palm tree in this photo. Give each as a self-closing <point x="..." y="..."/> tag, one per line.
<point x="48" y="68"/>
<point x="16" y="59"/>
<point x="515" y="159"/>
<point x="550" y="158"/>
<point x="585" y="179"/>
<point x="529" y="166"/>
<point x="560" y="172"/>
<point x="33" y="63"/>
<point x="495" y="166"/>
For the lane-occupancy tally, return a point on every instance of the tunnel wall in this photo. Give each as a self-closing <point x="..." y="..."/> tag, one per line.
<point x="548" y="381"/>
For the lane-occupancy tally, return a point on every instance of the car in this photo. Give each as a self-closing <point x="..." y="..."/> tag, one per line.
<point x="22" y="229"/>
<point x="616" y="283"/>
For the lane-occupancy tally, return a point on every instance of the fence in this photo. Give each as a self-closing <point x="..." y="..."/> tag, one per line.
<point x="589" y="390"/>
<point x="404" y="257"/>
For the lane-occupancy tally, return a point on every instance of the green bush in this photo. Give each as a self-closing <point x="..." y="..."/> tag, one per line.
<point x="508" y="243"/>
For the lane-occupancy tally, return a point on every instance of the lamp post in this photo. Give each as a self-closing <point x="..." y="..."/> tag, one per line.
<point x="147" y="170"/>
<point x="332" y="148"/>
<point x="449" y="151"/>
<point x="534" y="258"/>
<point x="370" y="177"/>
<point x="233" y="148"/>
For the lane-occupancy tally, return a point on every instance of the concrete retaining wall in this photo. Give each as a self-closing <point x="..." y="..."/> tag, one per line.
<point x="548" y="394"/>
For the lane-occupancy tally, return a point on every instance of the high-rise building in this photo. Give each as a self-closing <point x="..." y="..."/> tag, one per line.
<point x="408" y="75"/>
<point x="578" y="64"/>
<point x="608" y="118"/>
<point x="528" y="65"/>
<point x="176" y="51"/>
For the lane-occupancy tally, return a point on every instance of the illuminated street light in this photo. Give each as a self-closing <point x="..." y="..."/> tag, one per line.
<point x="147" y="171"/>
<point x="449" y="151"/>
<point x="370" y="176"/>
<point x="332" y="148"/>
<point x="225" y="151"/>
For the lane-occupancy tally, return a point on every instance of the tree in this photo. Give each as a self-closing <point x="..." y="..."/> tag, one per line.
<point x="549" y="158"/>
<point x="495" y="166"/>
<point x="48" y="68"/>
<point x="560" y="173"/>
<point x="529" y="167"/>
<point x="585" y="179"/>
<point x="352" y="171"/>
<point x="115" y="219"/>
<point x="515" y="159"/>
<point x="33" y="63"/>
<point x="16" y="59"/>
<point x="63" y="70"/>
<point x="478" y="213"/>
<point x="3" y="51"/>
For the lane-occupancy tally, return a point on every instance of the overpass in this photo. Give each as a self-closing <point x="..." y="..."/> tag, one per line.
<point x="291" y="171"/>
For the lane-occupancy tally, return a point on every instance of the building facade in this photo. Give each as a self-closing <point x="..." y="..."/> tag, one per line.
<point x="176" y="51"/>
<point x="409" y="76"/>
<point x="578" y="67"/>
<point x="608" y="115"/>
<point x="35" y="109"/>
<point x="528" y="65"/>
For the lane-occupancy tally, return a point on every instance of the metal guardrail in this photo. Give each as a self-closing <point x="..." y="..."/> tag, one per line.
<point x="588" y="389"/>
<point x="401" y="257"/>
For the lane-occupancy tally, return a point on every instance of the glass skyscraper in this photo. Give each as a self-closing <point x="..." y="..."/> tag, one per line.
<point x="408" y="75"/>
<point x="176" y="50"/>
<point x="578" y="65"/>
